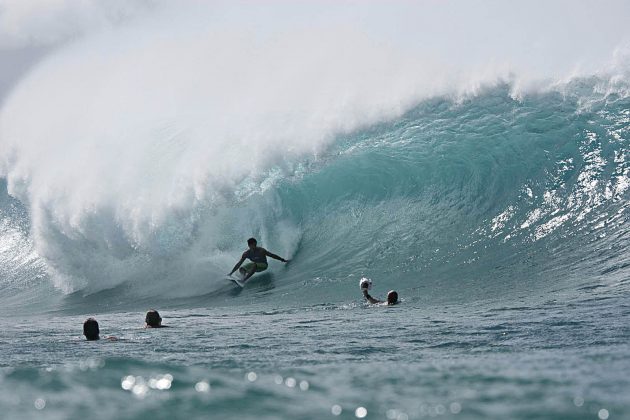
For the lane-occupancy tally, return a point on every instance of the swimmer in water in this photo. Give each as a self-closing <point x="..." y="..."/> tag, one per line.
<point x="153" y="320"/>
<point x="392" y="295"/>
<point x="258" y="257"/>
<point x="90" y="329"/>
<point x="92" y="332"/>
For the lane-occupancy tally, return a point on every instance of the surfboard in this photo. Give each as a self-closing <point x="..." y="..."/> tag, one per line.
<point x="236" y="282"/>
<point x="237" y="279"/>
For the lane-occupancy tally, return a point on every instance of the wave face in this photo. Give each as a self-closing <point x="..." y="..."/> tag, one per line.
<point x="489" y="197"/>
<point x="135" y="162"/>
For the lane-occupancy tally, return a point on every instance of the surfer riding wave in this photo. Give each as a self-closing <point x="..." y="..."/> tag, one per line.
<point x="258" y="257"/>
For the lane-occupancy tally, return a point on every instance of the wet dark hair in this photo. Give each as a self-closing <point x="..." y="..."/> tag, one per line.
<point x="392" y="297"/>
<point x="90" y="329"/>
<point x="153" y="318"/>
<point x="252" y="241"/>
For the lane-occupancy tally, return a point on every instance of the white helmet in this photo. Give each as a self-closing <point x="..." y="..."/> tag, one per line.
<point x="365" y="283"/>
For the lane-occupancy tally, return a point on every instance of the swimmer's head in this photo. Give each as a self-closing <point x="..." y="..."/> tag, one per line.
<point x="251" y="243"/>
<point x="90" y="329"/>
<point x="153" y="319"/>
<point x="392" y="297"/>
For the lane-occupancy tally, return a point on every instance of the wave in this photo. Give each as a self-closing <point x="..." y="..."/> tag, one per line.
<point x="134" y="164"/>
<point x="490" y="197"/>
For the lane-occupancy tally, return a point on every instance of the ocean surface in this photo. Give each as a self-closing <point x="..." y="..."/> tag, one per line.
<point x="501" y="222"/>
<point x="133" y="169"/>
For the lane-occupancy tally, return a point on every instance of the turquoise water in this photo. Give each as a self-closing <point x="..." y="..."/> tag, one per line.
<point x="552" y="360"/>
<point x="502" y="222"/>
<point x="555" y="359"/>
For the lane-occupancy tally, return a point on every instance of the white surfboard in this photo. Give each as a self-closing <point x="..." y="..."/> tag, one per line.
<point x="237" y="279"/>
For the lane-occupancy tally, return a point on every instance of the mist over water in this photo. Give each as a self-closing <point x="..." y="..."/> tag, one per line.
<point x="169" y="126"/>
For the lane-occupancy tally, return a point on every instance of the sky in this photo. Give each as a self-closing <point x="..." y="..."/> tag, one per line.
<point x="539" y="38"/>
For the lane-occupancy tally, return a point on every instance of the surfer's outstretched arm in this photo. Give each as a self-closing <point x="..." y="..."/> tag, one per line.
<point x="275" y="257"/>
<point x="238" y="264"/>
<point x="370" y="298"/>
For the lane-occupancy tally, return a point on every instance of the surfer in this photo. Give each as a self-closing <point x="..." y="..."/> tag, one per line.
<point x="153" y="319"/>
<point x="92" y="332"/>
<point x="392" y="295"/>
<point x="258" y="257"/>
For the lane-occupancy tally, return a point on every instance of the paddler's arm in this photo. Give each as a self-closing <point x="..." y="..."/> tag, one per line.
<point x="369" y="298"/>
<point x="238" y="264"/>
<point x="274" y="256"/>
